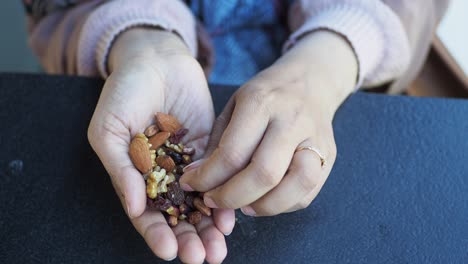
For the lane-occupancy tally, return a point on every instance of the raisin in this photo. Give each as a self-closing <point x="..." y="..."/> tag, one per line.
<point x="159" y="203"/>
<point x="180" y="169"/>
<point x="178" y="135"/>
<point x="184" y="209"/>
<point x="175" y="193"/>
<point x="189" y="200"/>
<point x="176" y="157"/>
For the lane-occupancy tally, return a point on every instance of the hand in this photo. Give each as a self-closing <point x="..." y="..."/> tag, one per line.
<point x="291" y="104"/>
<point x="152" y="71"/>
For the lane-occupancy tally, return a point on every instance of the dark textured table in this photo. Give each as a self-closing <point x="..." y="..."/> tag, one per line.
<point x="398" y="192"/>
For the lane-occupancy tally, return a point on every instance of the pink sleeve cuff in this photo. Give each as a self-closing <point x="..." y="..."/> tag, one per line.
<point x="374" y="31"/>
<point x="105" y="23"/>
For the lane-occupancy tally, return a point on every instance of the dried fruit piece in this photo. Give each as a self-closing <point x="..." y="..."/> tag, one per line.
<point x="177" y="136"/>
<point x="172" y="221"/>
<point x="175" y="156"/>
<point x="159" y="203"/>
<point x="151" y="131"/>
<point x="189" y="200"/>
<point x="159" y="139"/>
<point x="165" y="162"/>
<point x="182" y="217"/>
<point x="184" y="209"/>
<point x="140" y="155"/>
<point x="173" y="211"/>
<point x="194" y="217"/>
<point x="187" y="159"/>
<point x="188" y="151"/>
<point x="179" y="169"/>
<point x="200" y="205"/>
<point x="167" y="123"/>
<point x="175" y="193"/>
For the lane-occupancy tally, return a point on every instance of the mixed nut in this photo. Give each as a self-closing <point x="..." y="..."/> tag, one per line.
<point x="161" y="157"/>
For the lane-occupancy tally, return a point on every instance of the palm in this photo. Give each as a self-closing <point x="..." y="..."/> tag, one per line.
<point x="129" y="100"/>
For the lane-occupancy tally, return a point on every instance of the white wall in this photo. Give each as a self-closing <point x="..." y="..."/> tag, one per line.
<point x="453" y="31"/>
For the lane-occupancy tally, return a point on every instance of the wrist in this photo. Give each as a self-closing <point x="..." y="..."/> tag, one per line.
<point x="140" y="45"/>
<point x="326" y="61"/>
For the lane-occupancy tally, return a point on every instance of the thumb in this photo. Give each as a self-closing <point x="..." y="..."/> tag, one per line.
<point x="216" y="133"/>
<point x="126" y="179"/>
<point x="219" y="126"/>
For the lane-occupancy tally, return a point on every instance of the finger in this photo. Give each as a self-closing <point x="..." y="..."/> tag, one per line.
<point x="213" y="240"/>
<point x="266" y="169"/>
<point x="238" y="142"/>
<point x="303" y="177"/>
<point x="306" y="201"/>
<point x="113" y="152"/>
<point x="225" y="219"/>
<point x="191" y="249"/>
<point x="220" y="125"/>
<point x="158" y="235"/>
<point x="216" y="133"/>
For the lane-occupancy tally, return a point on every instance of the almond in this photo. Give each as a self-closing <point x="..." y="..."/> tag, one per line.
<point x="165" y="162"/>
<point x="159" y="139"/>
<point x="151" y="131"/>
<point x="140" y="154"/>
<point x="167" y="123"/>
<point x="200" y="206"/>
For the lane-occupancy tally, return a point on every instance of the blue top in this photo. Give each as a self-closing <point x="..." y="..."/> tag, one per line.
<point x="247" y="35"/>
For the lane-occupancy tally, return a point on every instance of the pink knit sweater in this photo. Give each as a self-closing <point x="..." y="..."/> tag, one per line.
<point x="390" y="38"/>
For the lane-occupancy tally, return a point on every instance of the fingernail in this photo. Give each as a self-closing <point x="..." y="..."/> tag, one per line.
<point x="186" y="187"/>
<point x="209" y="202"/>
<point x="227" y="234"/>
<point x="171" y="259"/>
<point x="248" y="211"/>
<point x="193" y="165"/>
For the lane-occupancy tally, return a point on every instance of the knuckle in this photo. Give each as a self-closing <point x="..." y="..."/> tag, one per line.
<point x="255" y="96"/>
<point x="266" y="176"/>
<point x="199" y="183"/>
<point x="231" y="159"/>
<point x="307" y="182"/>
<point x="224" y="201"/>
